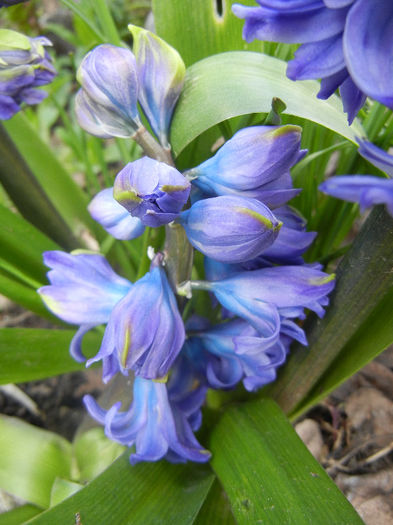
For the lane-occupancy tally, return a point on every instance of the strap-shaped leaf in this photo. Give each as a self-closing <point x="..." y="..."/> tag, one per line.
<point x="237" y="83"/>
<point x="144" y="494"/>
<point x="27" y="354"/>
<point x="268" y="473"/>
<point x="19" y="515"/>
<point x="31" y="459"/>
<point x="364" y="280"/>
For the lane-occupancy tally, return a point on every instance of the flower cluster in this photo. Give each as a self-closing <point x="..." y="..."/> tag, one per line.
<point x="24" y="65"/>
<point x="234" y="210"/>
<point x="346" y="43"/>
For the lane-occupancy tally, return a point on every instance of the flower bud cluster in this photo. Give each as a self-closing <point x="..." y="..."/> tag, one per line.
<point x="24" y="65"/>
<point x="237" y="217"/>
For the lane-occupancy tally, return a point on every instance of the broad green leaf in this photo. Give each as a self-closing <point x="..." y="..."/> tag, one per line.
<point x="27" y="354"/>
<point x="364" y="280"/>
<point x="216" y="509"/>
<point x="94" y="452"/>
<point x="28" y="196"/>
<point x="373" y="337"/>
<point x="238" y="83"/>
<point x="147" y="493"/>
<point x="64" y="193"/>
<point x="202" y="30"/>
<point x="22" y="246"/>
<point x="19" y="515"/>
<point x="268" y="473"/>
<point x="31" y="459"/>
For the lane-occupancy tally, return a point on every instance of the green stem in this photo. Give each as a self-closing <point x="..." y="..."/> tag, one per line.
<point x="106" y="21"/>
<point x="144" y="261"/>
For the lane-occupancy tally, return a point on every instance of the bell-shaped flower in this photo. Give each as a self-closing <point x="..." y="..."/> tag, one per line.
<point x="113" y="217"/>
<point x="151" y="190"/>
<point x="145" y="331"/>
<point x="24" y="66"/>
<point x="106" y="106"/>
<point x="262" y="296"/>
<point x="230" y="228"/>
<point x="366" y="190"/>
<point x="83" y="291"/>
<point x="255" y="162"/>
<point x="154" y="424"/>
<point x="346" y="43"/>
<point x="161" y="75"/>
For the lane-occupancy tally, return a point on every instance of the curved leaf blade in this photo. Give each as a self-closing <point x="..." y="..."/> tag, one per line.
<point x="241" y="82"/>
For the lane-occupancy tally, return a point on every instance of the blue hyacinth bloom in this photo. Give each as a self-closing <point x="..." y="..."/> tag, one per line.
<point x="376" y="156"/>
<point x="255" y="163"/>
<point x="145" y="330"/>
<point x="24" y="65"/>
<point x="230" y="228"/>
<point x="113" y="217"/>
<point x="154" y="423"/>
<point x="152" y="191"/>
<point x="366" y="190"/>
<point x="161" y="72"/>
<point x="346" y="43"/>
<point x="106" y="106"/>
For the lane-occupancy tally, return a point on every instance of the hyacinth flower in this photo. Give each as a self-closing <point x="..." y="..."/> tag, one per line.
<point x="366" y="190"/>
<point x="255" y="163"/>
<point x="157" y="426"/>
<point x="113" y="217"/>
<point x="161" y="73"/>
<point x="260" y="297"/>
<point x="346" y="43"/>
<point x="24" y="65"/>
<point x="106" y="105"/>
<point x="145" y="330"/>
<point x="151" y="190"/>
<point x="85" y="291"/>
<point x="230" y="228"/>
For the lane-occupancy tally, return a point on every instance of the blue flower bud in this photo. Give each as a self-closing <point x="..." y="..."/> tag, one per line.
<point x="24" y="65"/>
<point x="255" y="162"/>
<point x="230" y="228"/>
<point x="161" y="75"/>
<point x="152" y="191"/>
<point x="154" y="423"/>
<point x="107" y="105"/>
<point x="145" y="331"/>
<point x="113" y="217"/>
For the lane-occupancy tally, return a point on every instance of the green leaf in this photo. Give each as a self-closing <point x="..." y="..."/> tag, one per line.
<point x="238" y="83"/>
<point x="143" y="494"/>
<point x="64" y="193"/>
<point x="31" y="459"/>
<point x="268" y="473"/>
<point x="27" y="195"/>
<point x="19" y="515"/>
<point x="26" y="257"/>
<point x="197" y="32"/>
<point x="364" y="280"/>
<point x="27" y="354"/>
<point x="216" y="509"/>
<point x="62" y="489"/>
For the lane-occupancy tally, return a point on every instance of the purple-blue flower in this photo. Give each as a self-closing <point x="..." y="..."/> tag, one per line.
<point x="151" y="190"/>
<point x="261" y="296"/>
<point x="106" y="106"/>
<point x="379" y="158"/>
<point x="366" y="190"/>
<point x="346" y="43"/>
<point x="145" y="331"/>
<point x="161" y="73"/>
<point x="113" y="217"/>
<point x="230" y="228"/>
<point x="255" y="162"/>
<point x="24" y="65"/>
<point x="155" y="424"/>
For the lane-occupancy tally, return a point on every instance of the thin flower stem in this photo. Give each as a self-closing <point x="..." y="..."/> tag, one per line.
<point x="144" y="259"/>
<point x="151" y="147"/>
